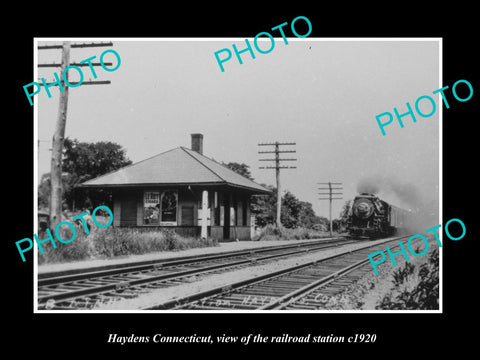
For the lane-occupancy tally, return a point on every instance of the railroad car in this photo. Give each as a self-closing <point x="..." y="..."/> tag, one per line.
<point x="372" y="217"/>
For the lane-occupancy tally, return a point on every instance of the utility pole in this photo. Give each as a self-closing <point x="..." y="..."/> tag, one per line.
<point x="59" y="134"/>
<point x="57" y="147"/>
<point x="277" y="168"/>
<point x="330" y="197"/>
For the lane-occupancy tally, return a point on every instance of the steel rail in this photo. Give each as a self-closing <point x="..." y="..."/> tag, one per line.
<point x="239" y="286"/>
<point x="282" y="302"/>
<point x="105" y="270"/>
<point x="88" y="286"/>
<point x="302" y="298"/>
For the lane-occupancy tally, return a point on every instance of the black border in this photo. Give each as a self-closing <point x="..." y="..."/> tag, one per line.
<point x="59" y="335"/>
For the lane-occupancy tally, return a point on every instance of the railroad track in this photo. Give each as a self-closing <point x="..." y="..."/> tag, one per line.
<point x="89" y="288"/>
<point x="304" y="286"/>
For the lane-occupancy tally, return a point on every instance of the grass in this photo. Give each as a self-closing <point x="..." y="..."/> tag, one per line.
<point x="104" y="243"/>
<point x="271" y="232"/>
<point x="110" y="242"/>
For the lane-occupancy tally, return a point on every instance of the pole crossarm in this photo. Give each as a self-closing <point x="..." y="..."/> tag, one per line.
<point x="277" y="168"/>
<point x="74" y="64"/>
<point x="330" y="193"/>
<point x="56" y="191"/>
<point x="275" y="152"/>
<point x="277" y="143"/>
<point x="277" y="159"/>
<point x="78" y="45"/>
<point x="98" y="82"/>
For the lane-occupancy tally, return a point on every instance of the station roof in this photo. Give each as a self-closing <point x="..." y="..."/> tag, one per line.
<point x="179" y="166"/>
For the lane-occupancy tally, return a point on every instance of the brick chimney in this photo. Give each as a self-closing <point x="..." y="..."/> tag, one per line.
<point x="197" y="143"/>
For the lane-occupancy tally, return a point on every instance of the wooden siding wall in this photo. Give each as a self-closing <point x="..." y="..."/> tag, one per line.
<point x="216" y="232"/>
<point x="184" y="231"/>
<point x="128" y="212"/>
<point x="240" y="212"/>
<point x="117" y="210"/>
<point x="187" y="199"/>
<point x="187" y="215"/>
<point x="128" y="207"/>
<point x="242" y="233"/>
<point x="140" y="209"/>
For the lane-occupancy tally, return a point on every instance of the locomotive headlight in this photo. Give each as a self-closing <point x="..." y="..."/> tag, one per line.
<point x="363" y="209"/>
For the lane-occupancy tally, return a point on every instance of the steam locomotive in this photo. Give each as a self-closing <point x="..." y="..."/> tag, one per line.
<point x="373" y="218"/>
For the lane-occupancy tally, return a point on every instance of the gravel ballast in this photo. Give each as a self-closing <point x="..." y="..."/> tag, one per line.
<point x="207" y="282"/>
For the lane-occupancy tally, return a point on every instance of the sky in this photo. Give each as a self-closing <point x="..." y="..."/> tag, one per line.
<point x="322" y="94"/>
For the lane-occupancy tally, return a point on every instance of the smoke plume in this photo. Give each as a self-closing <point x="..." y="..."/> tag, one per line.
<point x="404" y="195"/>
<point x="371" y="185"/>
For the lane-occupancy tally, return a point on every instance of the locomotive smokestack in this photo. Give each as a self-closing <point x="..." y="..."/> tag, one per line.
<point x="197" y="143"/>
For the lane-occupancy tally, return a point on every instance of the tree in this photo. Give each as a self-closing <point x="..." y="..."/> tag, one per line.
<point x="89" y="160"/>
<point x="291" y="209"/>
<point x="44" y="188"/>
<point x="264" y="207"/>
<point x="297" y="213"/>
<point x="44" y="191"/>
<point x="345" y="213"/>
<point x="336" y="225"/>
<point x="242" y="169"/>
<point x="323" y="224"/>
<point x="83" y="161"/>
<point x="307" y="217"/>
<point x="294" y="212"/>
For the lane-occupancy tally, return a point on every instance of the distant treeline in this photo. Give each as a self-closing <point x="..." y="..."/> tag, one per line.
<point x="83" y="161"/>
<point x="295" y="213"/>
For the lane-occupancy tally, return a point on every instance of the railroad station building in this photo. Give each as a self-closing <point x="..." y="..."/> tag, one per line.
<point x="184" y="190"/>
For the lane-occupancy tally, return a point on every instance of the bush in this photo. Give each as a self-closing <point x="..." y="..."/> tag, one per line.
<point x="271" y="232"/>
<point x="401" y="275"/>
<point x="415" y="287"/>
<point x="78" y="249"/>
<point x="123" y="241"/>
<point x="171" y="240"/>
<point x="113" y="242"/>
